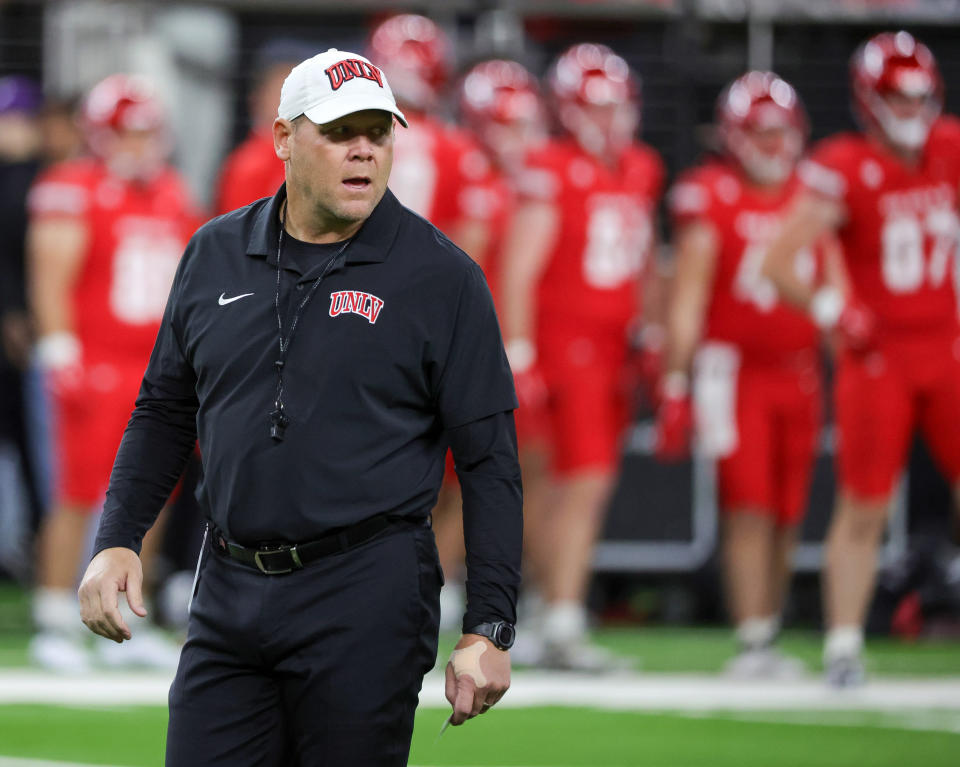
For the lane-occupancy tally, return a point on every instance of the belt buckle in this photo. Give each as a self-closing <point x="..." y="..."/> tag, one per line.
<point x="267" y="570"/>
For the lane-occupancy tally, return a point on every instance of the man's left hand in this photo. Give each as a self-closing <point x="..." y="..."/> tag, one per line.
<point x="478" y="675"/>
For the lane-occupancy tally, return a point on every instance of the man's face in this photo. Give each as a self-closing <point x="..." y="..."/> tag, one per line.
<point x="339" y="169"/>
<point x="510" y="142"/>
<point x="604" y="130"/>
<point x="776" y="141"/>
<point x="905" y="107"/>
<point x="136" y="154"/>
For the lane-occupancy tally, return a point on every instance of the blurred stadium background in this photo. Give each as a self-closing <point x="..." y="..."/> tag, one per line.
<point x="656" y="591"/>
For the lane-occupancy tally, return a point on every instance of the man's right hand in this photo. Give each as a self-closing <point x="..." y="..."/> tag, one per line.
<point x="110" y="572"/>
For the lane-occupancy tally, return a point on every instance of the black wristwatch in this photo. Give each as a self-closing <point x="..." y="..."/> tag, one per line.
<point x="501" y="633"/>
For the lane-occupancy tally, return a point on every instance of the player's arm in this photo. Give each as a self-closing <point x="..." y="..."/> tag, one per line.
<point x="530" y="239"/>
<point x="648" y="331"/>
<point x="472" y="236"/>
<point x="55" y="253"/>
<point x="831" y="305"/>
<point x="696" y="257"/>
<point x="811" y="217"/>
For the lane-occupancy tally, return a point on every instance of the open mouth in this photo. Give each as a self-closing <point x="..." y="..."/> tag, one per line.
<point x="357" y="183"/>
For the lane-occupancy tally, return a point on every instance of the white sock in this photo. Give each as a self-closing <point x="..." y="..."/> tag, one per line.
<point x="755" y="633"/>
<point x="57" y="610"/>
<point x="843" y="641"/>
<point x="564" y="622"/>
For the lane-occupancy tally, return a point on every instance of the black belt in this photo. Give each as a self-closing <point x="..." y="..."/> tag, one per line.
<point x="280" y="559"/>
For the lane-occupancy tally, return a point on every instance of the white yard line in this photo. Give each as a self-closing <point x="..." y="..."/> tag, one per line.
<point x="621" y="692"/>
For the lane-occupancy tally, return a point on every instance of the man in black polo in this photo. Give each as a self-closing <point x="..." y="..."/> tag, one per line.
<point x="325" y="346"/>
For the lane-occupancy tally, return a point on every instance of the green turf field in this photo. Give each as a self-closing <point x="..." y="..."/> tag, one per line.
<point x="536" y="737"/>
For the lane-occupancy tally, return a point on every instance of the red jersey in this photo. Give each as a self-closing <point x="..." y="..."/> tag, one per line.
<point x="744" y="309"/>
<point x="435" y="166"/>
<point x="901" y="231"/>
<point x="136" y="233"/>
<point x="606" y="229"/>
<point x="251" y="171"/>
<point x="490" y="201"/>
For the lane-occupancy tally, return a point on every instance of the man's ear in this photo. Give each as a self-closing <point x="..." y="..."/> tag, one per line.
<point x="282" y="131"/>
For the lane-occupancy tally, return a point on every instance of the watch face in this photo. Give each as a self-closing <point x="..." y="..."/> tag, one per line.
<point x="505" y="635"/>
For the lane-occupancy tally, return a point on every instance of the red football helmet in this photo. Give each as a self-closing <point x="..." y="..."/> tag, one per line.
<point x="896" y="63"/>
<point x="415" y="54"/>
<point x="121" y="104"/>
<point x="596" y="96"/>
<point x="499" y="91"/>
<point x="500" y="103"/>
<point x="761" y="123"/>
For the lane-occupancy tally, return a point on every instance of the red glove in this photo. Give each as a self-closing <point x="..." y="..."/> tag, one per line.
<point x="674" y="422"/>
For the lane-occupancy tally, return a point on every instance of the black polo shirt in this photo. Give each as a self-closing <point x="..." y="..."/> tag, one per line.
<point x="398" y="349"/>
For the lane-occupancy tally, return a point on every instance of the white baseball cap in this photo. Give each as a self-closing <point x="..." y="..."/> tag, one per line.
<point x="333" y="84"/>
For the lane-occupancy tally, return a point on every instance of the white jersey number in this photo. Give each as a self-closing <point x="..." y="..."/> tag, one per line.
<point x="143" y="269"/>
<point x="619" y="234"/>
<point x="750" y="286"/>
<point x="413" y="178"/>
<point x="903" y="239"/>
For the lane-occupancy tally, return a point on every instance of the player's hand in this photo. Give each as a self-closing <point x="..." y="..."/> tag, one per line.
<point x="60" y="357"/>
<point x="478" y="675"/>
<point x="531" y="388"/>
<point x="645" y="360"/>
<point x="856" y="326"/>
<point x="527" y="379"/>
<point x="848" y="318"/>
<point x="110" y="572"/>
<point x="674" y="420"/>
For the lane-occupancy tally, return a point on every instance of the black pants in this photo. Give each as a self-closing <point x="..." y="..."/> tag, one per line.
<point x="318" y="668"/>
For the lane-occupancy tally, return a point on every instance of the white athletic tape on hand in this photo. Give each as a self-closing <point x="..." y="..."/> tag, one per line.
<point x="467" y="662"/>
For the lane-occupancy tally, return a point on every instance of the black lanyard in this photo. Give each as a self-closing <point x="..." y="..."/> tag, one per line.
<point x="278" y="418"/>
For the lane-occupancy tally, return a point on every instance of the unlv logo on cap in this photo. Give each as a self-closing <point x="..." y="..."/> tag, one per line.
<point x="347" y="69"/>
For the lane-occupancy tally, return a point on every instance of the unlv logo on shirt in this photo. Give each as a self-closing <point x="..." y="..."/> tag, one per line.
<point x="355" y="302"/>
<point x="347" y="69"/>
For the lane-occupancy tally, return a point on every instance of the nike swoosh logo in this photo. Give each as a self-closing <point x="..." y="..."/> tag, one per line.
<point x="224" y="301"/>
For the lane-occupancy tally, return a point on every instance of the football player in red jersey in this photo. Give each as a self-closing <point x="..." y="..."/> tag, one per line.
<point x="253" y="170"/>
<point x="435" y="166"/>
<point x="755" y="398"/>
<point x="501" y="105"/>
<point x="890" y="193"/>
<point x="581" y="237"/>
<point x="437" y="170"/>
<point x="105" y="237"/>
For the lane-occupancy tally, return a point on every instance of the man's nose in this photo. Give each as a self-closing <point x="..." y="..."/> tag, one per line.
<point x="361" y="148"/>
